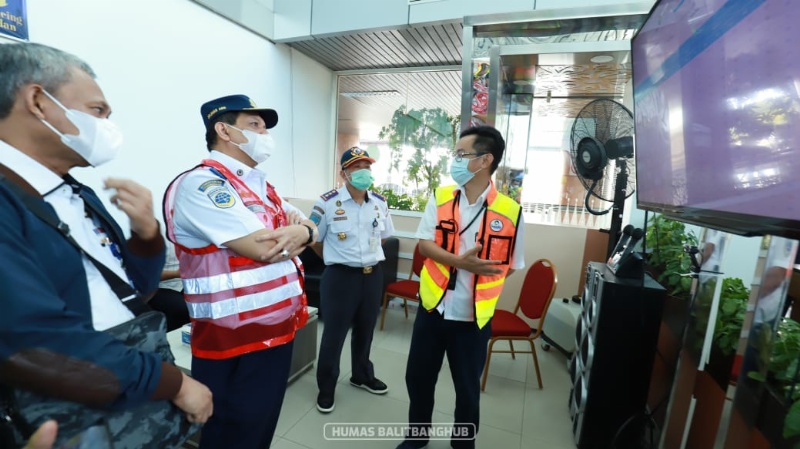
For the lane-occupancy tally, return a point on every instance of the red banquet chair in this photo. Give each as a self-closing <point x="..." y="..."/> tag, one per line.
<point x="534" y="300"/>
<point x="407" y="289"/>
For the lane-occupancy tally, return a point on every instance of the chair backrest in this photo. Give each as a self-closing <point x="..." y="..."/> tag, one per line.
<point x="416" y="263"/>
<point x="537" y="290"/>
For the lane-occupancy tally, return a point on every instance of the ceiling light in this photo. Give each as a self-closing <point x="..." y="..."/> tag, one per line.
<point x="371" y="93"/>
<point x="602" y="59"/>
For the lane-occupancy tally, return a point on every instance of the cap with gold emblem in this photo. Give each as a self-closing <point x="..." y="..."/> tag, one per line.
<point x="236" y="103"/>
<point x="354" y="155"/>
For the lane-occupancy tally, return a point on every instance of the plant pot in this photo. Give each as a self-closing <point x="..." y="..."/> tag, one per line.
<point x="771" y="415"/>
<point x="719" y="366"/>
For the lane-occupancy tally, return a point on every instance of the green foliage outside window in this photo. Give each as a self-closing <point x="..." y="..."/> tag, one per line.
<point x="404" y="201"/>
<point x="424" y="131"/>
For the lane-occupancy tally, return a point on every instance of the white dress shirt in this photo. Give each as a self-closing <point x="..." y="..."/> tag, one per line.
<point x="171" y="264"/>
<point x="107" y="309"/>
<point x="351" y="232"/>
<point x="459" y="304"/>
<point x="198" y="220"/>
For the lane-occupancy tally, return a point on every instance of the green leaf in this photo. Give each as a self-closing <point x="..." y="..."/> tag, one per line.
<point x="791" y="424"/>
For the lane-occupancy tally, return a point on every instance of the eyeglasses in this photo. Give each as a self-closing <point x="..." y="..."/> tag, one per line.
<point x="458" y="155"/>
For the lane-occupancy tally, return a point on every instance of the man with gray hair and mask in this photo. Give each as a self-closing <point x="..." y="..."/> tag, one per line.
<point x="62" y="251"/>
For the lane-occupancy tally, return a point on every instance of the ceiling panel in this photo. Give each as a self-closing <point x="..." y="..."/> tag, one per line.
<point x="423" y="46"/>
<point x="367" y="101"/>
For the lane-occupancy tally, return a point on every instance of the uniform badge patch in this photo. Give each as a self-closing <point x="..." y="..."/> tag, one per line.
<point x="212" y="183"/>
<point x="315" y="217"/>
<point x="329" y="194"/>
<point x="496" y="225"/>
<point x="339" y="218"/>
<point x="221" y="198"/>
<point x="339" y="212"/>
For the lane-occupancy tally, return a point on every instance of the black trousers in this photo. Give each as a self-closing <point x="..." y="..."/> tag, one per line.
<point x="465" y="346"/>
<point x="349" y="299"/>
<point x="172" y="305"/>
<point x="248" y="395"/>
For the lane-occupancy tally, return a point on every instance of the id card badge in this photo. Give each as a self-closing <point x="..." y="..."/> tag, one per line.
<point x="374" y="241"/>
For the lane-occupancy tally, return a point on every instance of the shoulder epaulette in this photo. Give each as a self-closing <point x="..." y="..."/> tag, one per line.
<point x="378" y="196"/>
<point x="328" y="195"/>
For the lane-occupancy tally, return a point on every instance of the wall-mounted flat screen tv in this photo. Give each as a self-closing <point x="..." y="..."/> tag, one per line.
<point x="716" y="88"/>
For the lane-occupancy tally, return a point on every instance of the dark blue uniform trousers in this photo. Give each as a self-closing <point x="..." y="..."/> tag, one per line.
<point x="248" y="394"/>
<point x="465" y="346"/>
<point x="348" y="297"/>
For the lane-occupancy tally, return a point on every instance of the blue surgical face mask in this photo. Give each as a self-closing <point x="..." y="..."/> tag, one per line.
<point x="459" y="171"/>
<point x="361" y="179"/>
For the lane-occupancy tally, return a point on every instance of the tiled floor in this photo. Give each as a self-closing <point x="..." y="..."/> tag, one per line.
<point x="515" y="413"/>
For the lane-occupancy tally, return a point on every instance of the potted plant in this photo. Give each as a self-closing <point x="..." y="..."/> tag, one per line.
<point x="730" y="315"/>
<point x="727" y="330"/>
<point x="665" y="255"/>
<point x="781" y="398"/>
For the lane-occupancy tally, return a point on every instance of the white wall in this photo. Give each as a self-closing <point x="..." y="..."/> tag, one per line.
<point x="159" y="60"/>
<point x="256" y="15"/>
<point x="304" y="19"/>
<point x="313" y="96"/>
<point x="340" y="16"/>
<point x="457" y="9"/>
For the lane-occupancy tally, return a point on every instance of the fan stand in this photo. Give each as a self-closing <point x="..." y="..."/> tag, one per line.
<point x="618" y="207"/>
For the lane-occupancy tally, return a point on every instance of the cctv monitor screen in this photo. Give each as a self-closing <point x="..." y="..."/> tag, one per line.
<point x="716" y="89"/>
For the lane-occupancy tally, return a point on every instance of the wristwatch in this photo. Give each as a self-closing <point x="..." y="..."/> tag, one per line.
<point x="310" y="235"/>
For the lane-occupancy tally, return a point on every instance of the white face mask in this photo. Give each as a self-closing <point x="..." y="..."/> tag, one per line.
<point x="258" y="146"/>
<point x="98" y="140"/>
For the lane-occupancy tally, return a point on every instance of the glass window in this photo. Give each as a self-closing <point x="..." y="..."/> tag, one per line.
<point x="408" y="122"/>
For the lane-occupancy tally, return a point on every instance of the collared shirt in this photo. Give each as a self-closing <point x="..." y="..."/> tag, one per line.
<point x="107" y="309"/>
<point x="171" y="264"/>
<point x="351" y="232"/>
<point x="198" y="219"/>
<point x="459" y="304"/>
<point x="768" y="307"/>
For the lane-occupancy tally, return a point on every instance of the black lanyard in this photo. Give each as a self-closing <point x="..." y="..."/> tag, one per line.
<point x="47" y="214"/>
<point x="471" y="222"/>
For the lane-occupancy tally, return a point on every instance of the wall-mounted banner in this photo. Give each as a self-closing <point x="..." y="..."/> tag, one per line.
<point x="13" y="19"/>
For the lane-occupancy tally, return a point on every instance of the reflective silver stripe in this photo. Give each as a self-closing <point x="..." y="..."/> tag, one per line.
<point x="244" y="303"/>
<point x="229" y="281"/>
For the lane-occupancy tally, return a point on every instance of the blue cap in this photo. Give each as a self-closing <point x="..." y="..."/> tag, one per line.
<point x="236" y="103"/>
<point x="353" y="155"/>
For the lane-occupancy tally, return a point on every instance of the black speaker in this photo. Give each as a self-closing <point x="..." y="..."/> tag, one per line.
<point x="615" y="345"/>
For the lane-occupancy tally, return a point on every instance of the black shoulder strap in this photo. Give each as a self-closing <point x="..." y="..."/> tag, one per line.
<point x="121" y="288"/>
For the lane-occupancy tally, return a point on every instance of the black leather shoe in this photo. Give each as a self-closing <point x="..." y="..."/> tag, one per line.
<point x="325" y="403"/>
<point x="374" y="386"/>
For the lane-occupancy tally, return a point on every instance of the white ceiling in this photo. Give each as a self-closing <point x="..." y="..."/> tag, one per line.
<point x="375" y="79"/>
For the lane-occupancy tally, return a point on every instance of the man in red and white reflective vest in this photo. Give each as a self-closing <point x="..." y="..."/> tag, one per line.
<point x="237" y="242"/>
